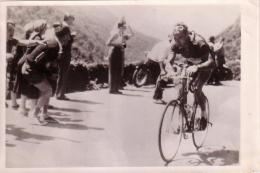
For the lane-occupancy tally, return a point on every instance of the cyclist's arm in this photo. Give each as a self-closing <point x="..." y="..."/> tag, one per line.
<point x="27" y="42"/>
<point x="171" y="57"/>
<point x="209" y="64"/>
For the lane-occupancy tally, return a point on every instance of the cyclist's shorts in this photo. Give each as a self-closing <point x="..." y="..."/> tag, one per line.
<point x="201" y="78"/>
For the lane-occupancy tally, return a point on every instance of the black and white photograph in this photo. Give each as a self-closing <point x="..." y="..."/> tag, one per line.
<point x="131" y="85"/>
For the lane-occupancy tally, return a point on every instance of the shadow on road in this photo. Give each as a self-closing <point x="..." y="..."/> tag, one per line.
<point x="221" y="157"/>
<point x="9" y="145"/>
<point x="55" y="124"/>
<point x="183" y="161"/>
<point x="22" y="135"/>
<point x="68" y="119"/>
<point x="127" y="89"/>
<point x="68" y="110"/>
<point x="84" y="101"/>
<point x="59" y="114"/>
<point x="132" y="95"/>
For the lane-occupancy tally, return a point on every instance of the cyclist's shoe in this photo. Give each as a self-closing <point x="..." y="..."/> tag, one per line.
<point x="203" y="123"/>
<point x="177" y="131"/>
<point x="188" y="130"/>
<point x="197" y="124"/>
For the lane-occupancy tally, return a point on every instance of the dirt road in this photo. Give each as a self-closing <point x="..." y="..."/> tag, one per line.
<point x="98" y="129"/>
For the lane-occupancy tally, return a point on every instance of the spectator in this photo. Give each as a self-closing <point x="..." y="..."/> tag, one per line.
<point x="33" y="32"/>
<point x="10" y="52"/>
<point x="218" y="49"/>
<point x="117" y="42"/>
<point x="12" y="60"/>
<point x="64" y="62"/>
<point x="35" y="68"/>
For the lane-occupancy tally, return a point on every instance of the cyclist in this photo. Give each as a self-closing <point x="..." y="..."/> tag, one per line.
<point x="200" y="58"/>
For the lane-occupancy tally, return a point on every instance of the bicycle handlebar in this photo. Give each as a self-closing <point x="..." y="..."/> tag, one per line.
<point x="182" y="76"/>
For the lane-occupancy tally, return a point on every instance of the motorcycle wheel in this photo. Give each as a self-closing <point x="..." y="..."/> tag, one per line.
<point x="140" y="77"/>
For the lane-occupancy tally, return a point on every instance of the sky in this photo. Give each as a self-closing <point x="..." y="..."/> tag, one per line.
<point x="158" y="21"/>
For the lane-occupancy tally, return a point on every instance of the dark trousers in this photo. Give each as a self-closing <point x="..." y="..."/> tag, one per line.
<point x="63" y="66"/>
<point x="158" y="93"/>
<point x="115" y="69"/>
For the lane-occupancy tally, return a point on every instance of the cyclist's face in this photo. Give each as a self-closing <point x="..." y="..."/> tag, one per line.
<point x="180" y="40"/>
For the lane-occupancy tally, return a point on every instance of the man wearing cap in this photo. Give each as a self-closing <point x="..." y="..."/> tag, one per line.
<point x="12" y="59"/>
<point x="65" y="58"/>
<point x="200" y="59"/>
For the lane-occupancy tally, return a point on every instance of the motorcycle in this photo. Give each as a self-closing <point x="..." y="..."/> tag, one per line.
<point x="222" y="74"/>
<point x="148" y="72"/>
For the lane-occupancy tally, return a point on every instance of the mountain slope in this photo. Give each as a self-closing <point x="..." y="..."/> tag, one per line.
<point x="93" y="25"/>
<point x="232" y="47"/>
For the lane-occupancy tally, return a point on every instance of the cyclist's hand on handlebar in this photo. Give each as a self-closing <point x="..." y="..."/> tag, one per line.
<point x="191" y="70"/>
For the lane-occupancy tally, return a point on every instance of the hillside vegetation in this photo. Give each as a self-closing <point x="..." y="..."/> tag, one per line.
<point x="232" y="47"/>
<point x="93" y="25"/>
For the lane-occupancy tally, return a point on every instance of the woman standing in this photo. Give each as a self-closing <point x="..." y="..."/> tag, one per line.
<point x="35" y="71"/>
<point x="34" y="31"/>
<point x="117" y="41"/>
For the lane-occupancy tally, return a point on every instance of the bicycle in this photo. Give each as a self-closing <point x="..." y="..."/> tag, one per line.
<point x="180" y="118"/>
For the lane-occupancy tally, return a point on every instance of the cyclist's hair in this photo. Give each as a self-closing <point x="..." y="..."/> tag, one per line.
<point x="180" y="28"/>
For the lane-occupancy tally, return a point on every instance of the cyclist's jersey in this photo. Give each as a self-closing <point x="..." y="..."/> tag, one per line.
<point x="160" y="51"/>
<point x="196" y="52"/>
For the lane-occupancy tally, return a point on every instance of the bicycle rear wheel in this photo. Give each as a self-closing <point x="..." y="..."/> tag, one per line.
<point x="170" y="131"/>
<point x="199" y="136"/>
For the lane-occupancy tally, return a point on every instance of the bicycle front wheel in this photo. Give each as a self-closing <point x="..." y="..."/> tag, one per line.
<point x="170" y="131"/>
<point x="199" y="136"/>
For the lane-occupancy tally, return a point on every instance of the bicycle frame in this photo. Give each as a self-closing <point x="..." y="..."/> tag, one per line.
<point x="182" y="99"/>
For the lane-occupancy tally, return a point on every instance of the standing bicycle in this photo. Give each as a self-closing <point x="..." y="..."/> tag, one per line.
<point x="199" y="60"/>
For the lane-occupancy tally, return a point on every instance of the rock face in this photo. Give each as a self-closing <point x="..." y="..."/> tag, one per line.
<point x="232" y="47"/>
